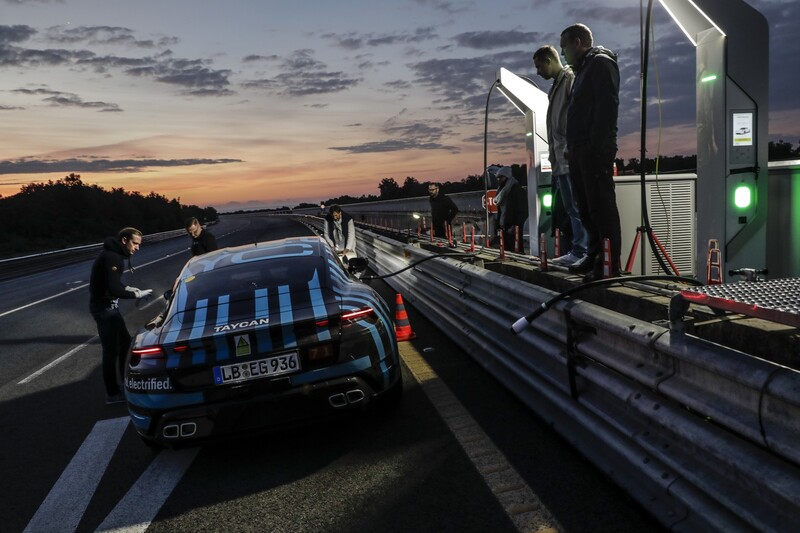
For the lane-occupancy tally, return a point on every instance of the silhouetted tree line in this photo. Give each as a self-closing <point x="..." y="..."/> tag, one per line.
<point x="66" y="212"/>
<point x="390" y="189"/>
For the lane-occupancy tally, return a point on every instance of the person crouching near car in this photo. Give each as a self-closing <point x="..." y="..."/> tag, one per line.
<point x="340" y="232"/>
<point x="105" y="290"/>
<point x="203" y="241"/>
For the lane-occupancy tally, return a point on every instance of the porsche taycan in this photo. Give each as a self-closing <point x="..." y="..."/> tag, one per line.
<point x="261" y="336"/>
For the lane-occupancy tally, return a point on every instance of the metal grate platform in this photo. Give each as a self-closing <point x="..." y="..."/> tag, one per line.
<point x="776" y="300"/>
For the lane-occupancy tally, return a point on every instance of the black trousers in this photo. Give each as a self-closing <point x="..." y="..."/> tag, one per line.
<point x="115" y="340"/>
<point x="593" y="184"/>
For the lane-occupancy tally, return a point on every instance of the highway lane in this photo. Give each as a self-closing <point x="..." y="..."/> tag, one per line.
<point x="404" y="473"/>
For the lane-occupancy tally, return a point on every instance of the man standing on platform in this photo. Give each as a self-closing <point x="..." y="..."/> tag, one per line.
<point x="548" y="65"/>
<point x="592" y="145"/>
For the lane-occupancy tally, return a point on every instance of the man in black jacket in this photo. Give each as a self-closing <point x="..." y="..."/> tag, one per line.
<point x="592" y="145"/>
<point x="203" y="241"/>
<point x="105" y="290"/>
<point x="443" y="210"/>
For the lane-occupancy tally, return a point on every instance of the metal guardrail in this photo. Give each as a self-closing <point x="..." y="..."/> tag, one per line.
<point x="704" y="437"/>
<point x="30" y="264"/>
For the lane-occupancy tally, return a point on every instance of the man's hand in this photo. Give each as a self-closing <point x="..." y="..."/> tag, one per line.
<point x="139" y="293"/>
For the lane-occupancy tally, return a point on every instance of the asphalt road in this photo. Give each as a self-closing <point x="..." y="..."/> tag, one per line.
<point x="68" y="462"/>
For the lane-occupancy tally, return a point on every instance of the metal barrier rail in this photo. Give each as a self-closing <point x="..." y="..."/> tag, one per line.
<point x="704" y="437"/>
<point x="29" y="264"/>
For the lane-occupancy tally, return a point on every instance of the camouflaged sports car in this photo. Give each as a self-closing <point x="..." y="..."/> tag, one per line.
<point x="261" y="336"/>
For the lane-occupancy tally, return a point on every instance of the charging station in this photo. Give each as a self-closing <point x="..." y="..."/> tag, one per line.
<point x="731" y="40"/>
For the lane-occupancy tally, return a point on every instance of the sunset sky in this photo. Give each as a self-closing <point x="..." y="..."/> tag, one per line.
<point x="264" y="103"/>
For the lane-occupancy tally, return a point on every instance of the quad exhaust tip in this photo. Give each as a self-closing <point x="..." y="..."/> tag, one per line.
<point x="342" y="399"/>
<point x="174" y="431"/>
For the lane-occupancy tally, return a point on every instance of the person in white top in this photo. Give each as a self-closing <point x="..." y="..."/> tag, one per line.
<point x="340" y="232"/>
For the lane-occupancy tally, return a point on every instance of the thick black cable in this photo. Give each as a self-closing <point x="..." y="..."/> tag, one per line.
<point x="643" y="148"/>
<point x="525" y="321"/>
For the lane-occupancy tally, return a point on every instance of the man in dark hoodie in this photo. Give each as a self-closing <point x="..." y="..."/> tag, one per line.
<point x="105" y="290"/>
<point x="443" y="210"/>
<point x="592" y="145"/>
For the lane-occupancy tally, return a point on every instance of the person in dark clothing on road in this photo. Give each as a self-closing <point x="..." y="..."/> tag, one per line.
<point x="592" y="145"/>
<point x="443" y="210"/>
<point x="203" y="241"/>
<point x="105" y="290"/>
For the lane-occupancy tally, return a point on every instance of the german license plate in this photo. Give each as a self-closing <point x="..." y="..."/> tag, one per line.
<point x="261" y="368"/>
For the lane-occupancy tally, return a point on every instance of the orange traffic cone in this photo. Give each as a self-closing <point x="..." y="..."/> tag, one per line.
<point x="402" y="327"/>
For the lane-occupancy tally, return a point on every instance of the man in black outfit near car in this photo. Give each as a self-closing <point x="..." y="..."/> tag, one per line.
<point x="203" y="241"/>
<point x="105" y="290"/>
<point x="592" y="145"/>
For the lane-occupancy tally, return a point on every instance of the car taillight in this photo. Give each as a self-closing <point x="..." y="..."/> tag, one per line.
<point x="149" y="352"/>
<point x="357" y="314"/>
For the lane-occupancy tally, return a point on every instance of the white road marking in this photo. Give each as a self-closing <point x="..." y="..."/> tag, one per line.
<point x="136" y="511"/>
<point x="521" y="504"/>
<point x="66" y="503"/>
<point x="56" y="361"/>
<point x="37" y="302"/>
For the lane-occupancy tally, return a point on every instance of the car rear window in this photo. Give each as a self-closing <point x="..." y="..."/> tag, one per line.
<point x="242" y="280"/>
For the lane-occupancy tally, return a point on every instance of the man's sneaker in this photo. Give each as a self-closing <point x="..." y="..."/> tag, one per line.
<point x="115" y="398"/>
<point x="566" y="260"/>
<point x="583" y="265"/>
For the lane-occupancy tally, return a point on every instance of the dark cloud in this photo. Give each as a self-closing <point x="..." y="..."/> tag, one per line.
<point x="489" y="40"/>
<point x="105" y="35"/>
<point x="451" y="8"/>
<point x="254" y="57"/>
<point x="61" y="99"/>
<point x="36" y="166"/>
<point x="9" y="108"/>
<point x="300" y="74"/>
<point x="194" y="76"/>
<point x="15" y="34"/>
<point x="414" y="135"/>
<point x="398" y="84"/>
<point x="465" y="82"/>
<point x="355" y="41"/>
<point x="393" y="145"/>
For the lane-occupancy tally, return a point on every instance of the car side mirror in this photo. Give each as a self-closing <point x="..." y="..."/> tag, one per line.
<point x="168" y="294"/>
<point x="356" y="265"/>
